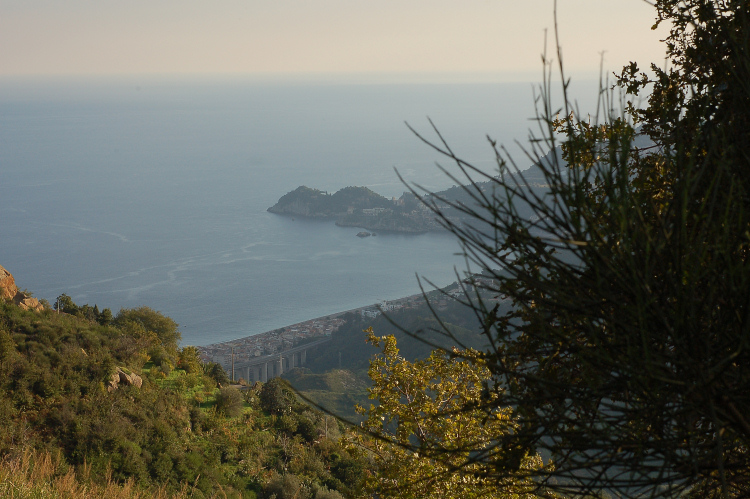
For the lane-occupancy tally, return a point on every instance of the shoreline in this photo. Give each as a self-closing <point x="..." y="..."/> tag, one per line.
<point x="278" y="340"/>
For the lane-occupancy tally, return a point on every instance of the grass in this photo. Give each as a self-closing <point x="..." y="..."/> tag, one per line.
<point x="41" y="475"/>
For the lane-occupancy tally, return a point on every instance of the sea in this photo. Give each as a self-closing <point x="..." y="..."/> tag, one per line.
<point x="131" y="191"/>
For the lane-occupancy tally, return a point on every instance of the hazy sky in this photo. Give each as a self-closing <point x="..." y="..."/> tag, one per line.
<point x="501" y="37"/>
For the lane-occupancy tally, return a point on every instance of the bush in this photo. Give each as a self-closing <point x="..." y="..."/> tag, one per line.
<point x="324" y="493"/>
<point x="286" y="487"/>
<point x="229" y="402"/>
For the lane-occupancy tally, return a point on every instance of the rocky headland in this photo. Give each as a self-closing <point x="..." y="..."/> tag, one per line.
<point x="359" y="207"/>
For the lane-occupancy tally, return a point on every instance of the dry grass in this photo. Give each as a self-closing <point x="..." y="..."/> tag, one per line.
<point x="31" y="475"/>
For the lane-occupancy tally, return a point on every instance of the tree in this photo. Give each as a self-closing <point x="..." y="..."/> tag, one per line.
<point x="216" y="373"/>
<point x="105" y="317"/>
<point x="277" y="397"/>
<point x="625" y="354"/>
<point x="151" y="323"/>
<point x="64" y="303"/>
<point x="426" y="429"/>
<point x="188" y="358"/>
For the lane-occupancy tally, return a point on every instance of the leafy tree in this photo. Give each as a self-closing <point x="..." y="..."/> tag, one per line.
<point x="625" y="354"/>
<point x="151" y="323"/>
<point x="277" y="397"/>
<point x="214" y="371"/>
<point x="324" y="493"/>
<point x="188" y="358"/>
<point x="425" y="430"/>
<point x="105" y="317"/>
<point x="64" y="303"/>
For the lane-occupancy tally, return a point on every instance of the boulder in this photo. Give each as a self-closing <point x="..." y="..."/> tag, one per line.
<point x="27" y="302"/>
<point x="9" y="291"/>
<point x="120" y="376"/>
<point x="130" y="379"/>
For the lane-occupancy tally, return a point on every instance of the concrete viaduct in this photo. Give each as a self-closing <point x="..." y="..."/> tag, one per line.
<point x="269" y="366"/>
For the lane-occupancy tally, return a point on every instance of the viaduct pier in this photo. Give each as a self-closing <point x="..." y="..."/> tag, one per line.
<point x="264" y="367"/>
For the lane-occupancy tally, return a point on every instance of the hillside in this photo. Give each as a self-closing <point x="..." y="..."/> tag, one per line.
<point x="122" y="405"/>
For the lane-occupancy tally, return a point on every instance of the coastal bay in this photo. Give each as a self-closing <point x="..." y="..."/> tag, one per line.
<point x="155" y="193"/>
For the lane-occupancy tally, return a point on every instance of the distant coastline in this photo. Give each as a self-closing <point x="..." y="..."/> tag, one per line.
<point x="282" y="339"/>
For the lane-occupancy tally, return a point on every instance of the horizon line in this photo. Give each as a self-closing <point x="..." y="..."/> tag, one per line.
<point x="361" y="77"/>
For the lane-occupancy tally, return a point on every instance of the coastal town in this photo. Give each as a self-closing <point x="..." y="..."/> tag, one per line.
<point x="278" y="341"/>
<point x="270" y="342"/>
<point x="283" y="339"/>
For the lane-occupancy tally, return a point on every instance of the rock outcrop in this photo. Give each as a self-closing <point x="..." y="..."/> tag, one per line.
<point x="28" y="302"/>
<point x="9" y="291"/>
<point x="8" y="288"/>
<point x="121" y="377"/>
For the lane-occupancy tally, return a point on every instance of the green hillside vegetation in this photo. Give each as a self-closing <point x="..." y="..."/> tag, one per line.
<point x="40" y="475"/>
<point x="180" y="431"/>
<point x="616" y="366"/>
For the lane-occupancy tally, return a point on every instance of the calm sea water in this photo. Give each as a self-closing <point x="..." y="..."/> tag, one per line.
<point x="153" y="192"/>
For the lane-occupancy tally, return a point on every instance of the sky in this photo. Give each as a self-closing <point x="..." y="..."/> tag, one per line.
<point x="499" y="39"/>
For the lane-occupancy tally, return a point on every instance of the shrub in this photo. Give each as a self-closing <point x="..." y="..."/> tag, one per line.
<point x="229" y="402"/>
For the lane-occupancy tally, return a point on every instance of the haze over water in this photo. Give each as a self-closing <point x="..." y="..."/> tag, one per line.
<point x="129" y="192"/>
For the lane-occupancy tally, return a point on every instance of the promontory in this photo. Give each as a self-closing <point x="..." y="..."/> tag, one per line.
<point x="359" y="207"/>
